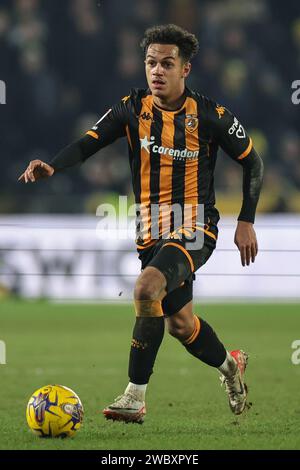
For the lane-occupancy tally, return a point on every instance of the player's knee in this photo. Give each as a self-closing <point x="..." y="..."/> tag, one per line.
<point x="149" y="285"/>
<point x="146" y="290"/>
<point x="179" y="331"/>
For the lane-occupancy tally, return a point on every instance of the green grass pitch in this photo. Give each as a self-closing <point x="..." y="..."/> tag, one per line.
<point x="85" y="347"/>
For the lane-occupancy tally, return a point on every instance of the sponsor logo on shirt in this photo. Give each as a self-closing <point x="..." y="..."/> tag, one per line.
<point x="176" y="154"/>
<point x="238" y="129"/>
<point x="146" y="116"/>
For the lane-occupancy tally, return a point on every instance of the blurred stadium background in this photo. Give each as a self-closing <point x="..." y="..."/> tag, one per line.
<point x="64" y="63"/>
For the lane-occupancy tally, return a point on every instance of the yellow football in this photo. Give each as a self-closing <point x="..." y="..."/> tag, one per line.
<point x="54" y="411"/>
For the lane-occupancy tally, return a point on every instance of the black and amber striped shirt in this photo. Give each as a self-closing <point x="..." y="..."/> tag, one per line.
<point x="172" y="154"/>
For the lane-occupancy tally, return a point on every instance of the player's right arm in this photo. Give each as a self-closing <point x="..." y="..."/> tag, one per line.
<point x="111" y="126"/>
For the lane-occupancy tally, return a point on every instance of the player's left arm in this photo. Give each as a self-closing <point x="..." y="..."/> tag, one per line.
<point x="234" y="140"/>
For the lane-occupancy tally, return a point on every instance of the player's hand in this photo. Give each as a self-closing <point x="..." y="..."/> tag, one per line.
<point x="245" y="240"/>
<point x="35" y="171"/>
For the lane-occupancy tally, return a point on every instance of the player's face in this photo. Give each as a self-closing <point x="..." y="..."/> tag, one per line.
<point x="165" y="70"/>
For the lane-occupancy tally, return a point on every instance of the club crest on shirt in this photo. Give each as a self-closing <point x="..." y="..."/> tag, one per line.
<point x="191" y="122"/>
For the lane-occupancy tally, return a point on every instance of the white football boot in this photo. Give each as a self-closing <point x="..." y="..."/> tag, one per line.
<point x="129" y="407"/>
<point x="235" y="386"/>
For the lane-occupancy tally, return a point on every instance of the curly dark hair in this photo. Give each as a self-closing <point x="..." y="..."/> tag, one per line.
<point x="186" y="42"/>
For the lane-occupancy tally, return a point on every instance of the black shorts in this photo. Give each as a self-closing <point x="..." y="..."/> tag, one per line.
<point x="178" y="262"/>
